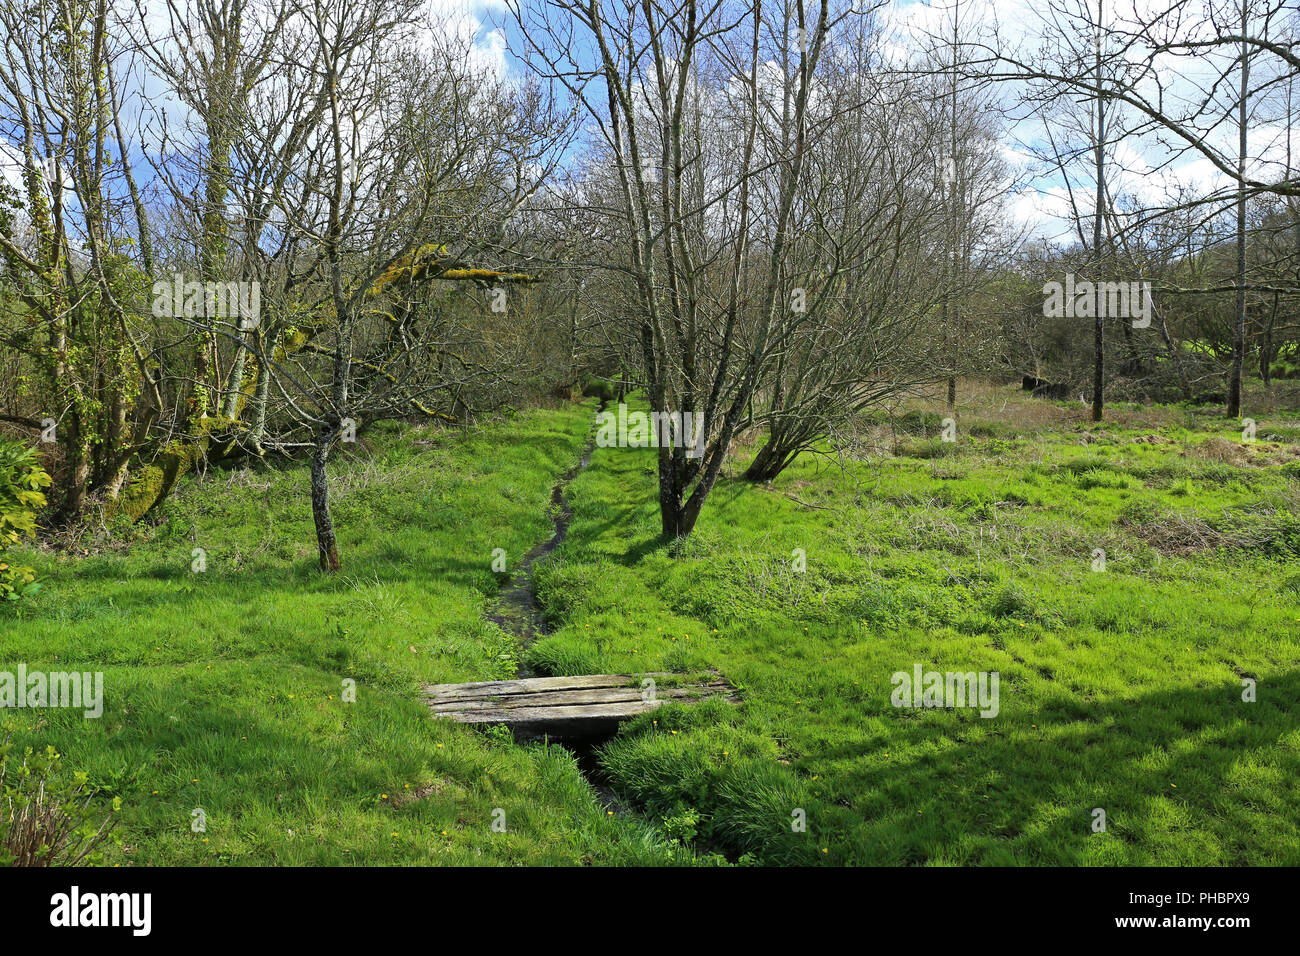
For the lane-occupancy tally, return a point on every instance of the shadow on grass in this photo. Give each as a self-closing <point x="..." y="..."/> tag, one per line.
<point x="1186" y="776"/>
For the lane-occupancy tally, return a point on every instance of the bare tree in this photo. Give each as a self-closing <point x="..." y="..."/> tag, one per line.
<point x="676" y="94"/>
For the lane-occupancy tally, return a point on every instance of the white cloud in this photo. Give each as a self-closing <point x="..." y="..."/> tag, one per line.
<point x="1149" y="166"/>
<point x="463" y="22"/>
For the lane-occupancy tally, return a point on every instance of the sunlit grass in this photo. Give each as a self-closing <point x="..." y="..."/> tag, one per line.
<point x="1120" y="689"/>
<point x="225" y="688"/>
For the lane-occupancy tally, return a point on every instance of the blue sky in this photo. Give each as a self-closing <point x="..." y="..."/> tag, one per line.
<point x="1141" y="166"/>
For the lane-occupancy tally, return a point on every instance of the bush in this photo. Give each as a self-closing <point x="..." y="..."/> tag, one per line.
<point x="1010" y="601"/>
<point x="927" y="448"/>
<point x="601" y="388"/>
<point x="21" y="481"/>
<point x="47" y="818"/>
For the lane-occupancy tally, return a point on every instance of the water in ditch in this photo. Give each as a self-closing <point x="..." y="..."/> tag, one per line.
<point x="517" y="611"/>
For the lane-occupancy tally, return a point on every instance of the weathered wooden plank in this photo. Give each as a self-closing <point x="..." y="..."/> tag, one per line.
<point x="593" y="695"/>
<point x="529" y="685"/>
<point x="542" y="716"/>
<point x="585" y="705"/>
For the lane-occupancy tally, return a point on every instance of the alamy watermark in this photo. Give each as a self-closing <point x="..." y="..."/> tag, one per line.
<point x="1106" y="300"/>
<point x="75" y="909"/>
<point x="239" y="302"/>
<point x="25" y="689"/>
<point x="626" y="429"/>
<point x="923" y="688"/>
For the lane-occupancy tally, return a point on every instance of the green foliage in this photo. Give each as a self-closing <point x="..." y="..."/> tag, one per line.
<point x="1119" y="688"/>
<point x="597" y="387"/>
<point x="683" y="824"/>
<point x="21" y="481"/>
<point x="49" y="815"/>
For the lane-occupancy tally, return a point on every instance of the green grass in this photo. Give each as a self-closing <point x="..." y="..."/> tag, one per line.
<point x="224" y="688"/>
<point x="1119" y="689"/>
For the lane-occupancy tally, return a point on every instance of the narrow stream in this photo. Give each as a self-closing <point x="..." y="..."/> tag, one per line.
<point x="517" y="611"/>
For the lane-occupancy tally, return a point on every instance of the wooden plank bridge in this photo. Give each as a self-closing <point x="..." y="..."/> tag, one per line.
<point x="583" y="706"/>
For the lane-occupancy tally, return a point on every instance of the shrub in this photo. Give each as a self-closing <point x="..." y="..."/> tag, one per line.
<point x="46" y="818"/>
<point x="21" y="481"/>
<point x="601" y="388"/>
<point x="927" y="448"/>
<point x="1010" y="601"/>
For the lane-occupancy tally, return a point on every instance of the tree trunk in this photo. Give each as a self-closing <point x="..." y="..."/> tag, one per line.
<point x="672" y="512"/>
<point x="258" y="430"/>
<point x="235" y="383"/>
<point x="1098" y="218"/>
<point x="772" y="459"/>
<point x="1098" y="367"/>
<point x="320" y="506"/>
<point x="1266" y="347"/>
<point x="76" y="470"/>
<point x="677" y="512"/>
<point x="78" y="478"/>
<point x="1239" y="323"/>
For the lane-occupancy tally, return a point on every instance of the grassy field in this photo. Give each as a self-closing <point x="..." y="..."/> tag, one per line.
<point x="224" y="688"/>
<point x="1121" y="688"/>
